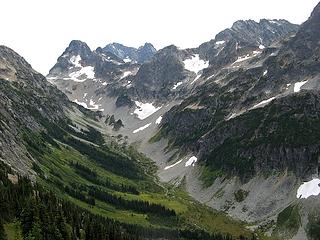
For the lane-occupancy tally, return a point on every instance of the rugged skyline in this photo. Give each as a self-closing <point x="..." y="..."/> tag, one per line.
<point x="50" y="26"/>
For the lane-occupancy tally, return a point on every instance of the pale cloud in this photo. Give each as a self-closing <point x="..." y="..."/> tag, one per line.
<point x="41" y="30"/>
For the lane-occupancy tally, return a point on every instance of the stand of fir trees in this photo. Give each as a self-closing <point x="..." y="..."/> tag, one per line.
<point x="43" y="216"/>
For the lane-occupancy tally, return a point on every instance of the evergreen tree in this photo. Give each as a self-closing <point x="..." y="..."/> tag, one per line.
<point x="2" y="232"/>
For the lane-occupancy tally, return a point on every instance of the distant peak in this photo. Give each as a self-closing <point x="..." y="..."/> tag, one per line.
<point x="148" y="46"/>
<point x="316" y="12"/>
<point x="78" y="44"/>
<point x="139" y="55"/>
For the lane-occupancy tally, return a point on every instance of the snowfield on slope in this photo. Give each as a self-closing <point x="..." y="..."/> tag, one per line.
<point x="159" y="119"/>
<point x="126" y="74"/>
<point x="92" y="105"/>
<point x="145" y="110"/>
<point x="263" y="103"/>
<point x="191" y="161"/>
<point x="171" y="166"/>
<point x="195" y="64"/>
<point x="87" y="71"/>
<point x="308" y="189"/>
<point x="176" y="85"/>
<point x="84" y="72"/>
<point x="75" y="60"/>
<point x="141" y="128"/>
<point x="298" y="85"/>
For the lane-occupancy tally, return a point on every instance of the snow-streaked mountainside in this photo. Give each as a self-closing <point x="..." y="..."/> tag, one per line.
<point x="235" y="121"/>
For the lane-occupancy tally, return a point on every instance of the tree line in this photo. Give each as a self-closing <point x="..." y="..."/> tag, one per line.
<point x="92" y="176"/>
<point x="135" y="205"/>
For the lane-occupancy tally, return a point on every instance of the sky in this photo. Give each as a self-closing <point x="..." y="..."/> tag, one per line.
<point x="40" y="30"/>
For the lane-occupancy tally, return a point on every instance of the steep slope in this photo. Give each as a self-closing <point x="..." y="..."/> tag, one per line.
<point x="25" y="97"/>
<point x="254" y="132"/>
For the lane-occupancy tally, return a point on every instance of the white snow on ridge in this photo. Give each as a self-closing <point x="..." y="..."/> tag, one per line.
<point x="159" y="119"/>
<point x="261" y="47"/>
<point x="298" y="85"/>
<point x="308" y="189"/>
<point x="191" y="161"/>
<point x="141" y="128"/>
<point x="145" y="110"/>
<point x="265" y="72"/>
<point x="176" y="85"/>
<point x="195" y="64"/>
<point x="263" y="103"/>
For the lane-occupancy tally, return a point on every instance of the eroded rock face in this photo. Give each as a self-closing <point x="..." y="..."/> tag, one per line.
<point x="26" y="98"/>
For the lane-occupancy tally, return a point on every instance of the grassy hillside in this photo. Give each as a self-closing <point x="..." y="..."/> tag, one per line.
<point x="116" y="182"/>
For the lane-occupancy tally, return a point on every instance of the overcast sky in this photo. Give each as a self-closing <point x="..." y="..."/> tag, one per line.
<point x="40" y="30"/>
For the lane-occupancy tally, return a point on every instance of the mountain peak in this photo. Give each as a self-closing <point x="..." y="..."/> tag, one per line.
<point x="130" y="54"/>
<point x="78" y="47"/>
<point x="316" y="11"/>
<point x="13" y="66"/>
<point x="11" y="56"/>
<point x="148" y="46"/>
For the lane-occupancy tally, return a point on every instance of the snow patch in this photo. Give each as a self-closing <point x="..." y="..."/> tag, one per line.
<point x="308" y="189"/>
<point x="298" y="85"/>
<point x="197" y="77"/>
<point x="126" y="74"/>
<point x="274" y="22"/>
<point x="195" y="64"/>
<point x="263" y="103"/>
<point x="220" y="42"/>
<point x="87" y="71"/>
<point x="246" y="57"/>
<point x="145" y="110"/>
<point x="92" y="105"/>
<point x="171" y="166"/>
<point x="159" y="119"/>
<point x="127" y="60"/>
<point x="265" y="72"/>
<point x="141" y="128"/>
<point x="83" y="104"/>
<point x="75" y="60"/>
<point x="191" y="161"/>
<point x="261" y="47"/>
<point x="176" y="85"/>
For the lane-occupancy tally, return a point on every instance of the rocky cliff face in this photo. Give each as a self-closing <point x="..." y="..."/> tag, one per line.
<point x="27" y="100"/>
